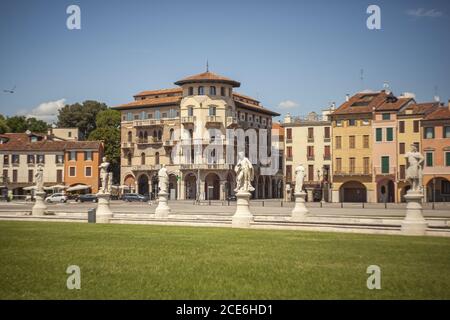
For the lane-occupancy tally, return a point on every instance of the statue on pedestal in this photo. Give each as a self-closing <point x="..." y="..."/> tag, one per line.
<point x="104" y="176"/>
<point x="414" y="173"/>
<point x="299" y="178"/>
<point x="244" y="174"/>
<point x="39" y="178"/>
<point x="163" y="180"/>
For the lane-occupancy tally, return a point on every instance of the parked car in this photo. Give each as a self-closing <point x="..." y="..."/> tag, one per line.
<point x="130" y="197"/>
<point x="56" y="197"/>
<point x="89" y="197"/>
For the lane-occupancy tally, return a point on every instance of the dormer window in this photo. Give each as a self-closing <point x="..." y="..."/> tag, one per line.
<point x="212" y="90"/>
<point x="201" y="91"/>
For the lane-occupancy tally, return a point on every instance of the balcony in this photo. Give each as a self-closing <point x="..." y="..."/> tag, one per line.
<point x="310" y="157"/>
<point x="149" y="141"/>
<point x="169" y="143"/>
<point x="310" y="139"/>
<point x="188" y="120"/>
<point x="352" y="171"/>
<point x="327" y="157"/>
<point x="288" y="158"/>
<point x="147" y="123"/>
<point x="327" y="139"/>
<point x="386" y="171"/>
<point x="213" y="120"/>
<point x="146" y="167"/>
<point x="127" y="145"/>
<point x="232" y="122"/>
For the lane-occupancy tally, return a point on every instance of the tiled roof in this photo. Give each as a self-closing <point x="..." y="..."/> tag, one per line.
<point x="394" y="104"/>
<point x="419" y="108"/>
<point x="21" y="142"/>
<point x="240" y="95"/>
<point x="157" y="92"/>
<point x="252" y="107"/>
<point x="150" y="102"/>
<point x="441" y="113"/>
<point x="361" y="103"/>
<point x="207" y="77"/>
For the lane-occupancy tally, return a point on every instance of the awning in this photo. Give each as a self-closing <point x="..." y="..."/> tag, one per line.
<point x="78" y="187"/>
<point x="57" y="186"/>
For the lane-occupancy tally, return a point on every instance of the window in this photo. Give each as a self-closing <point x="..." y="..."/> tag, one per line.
<point x="402" y="172"/>
<point x="88" y="171"/>
<point x="88" y="155"/>
<point x="15" y="159"/>
<point x="157" y="114"/>
<point x="351" y="165"/>
<point x="289" y="173"/>
<point x="386" y="116"/>
<point x="428" y="133"/>
<point x="129" y="158"/>
<point x="222" y="91"/>
<point x="143" y="115"/>
<point x="446" y="132"/>
<point x="40" y="158"/>
<point x="378" y="134"/>
<point x="401" y="126"/>
<point x="6" y="159"/>
<point x="402" y="148"/>
<point x="157" y="158"/>
<point x="30" y="176"/>
<point x="201" y="91"/>
<point x="338" y="123"/>
<point x="389" y="134"/>
<point x="59" y="176"/>
<point x="59" y="158"/>
<point x="310" y="133"/>
<point x="447" y="158"/>
<point x="338" y="142"/>
<point x="5" y="174"/>
<point x="289" y="152"/>
<point x="129" y="116"/>
<point x="164" y="115"/>
<point x="310" y="151"/>
<point x="445" y="187"/>
<point x="351" y="142"/>
<point x="190" y="111"/>
<point x="429" y="159"/>
<point x="69" y="134"/>
<point x="338" y="164"/>
<point x="327" y="152"/>
<point x="212" y="90"/>
<point x="30" y="158"/>
<point x="72" y="156"/>
<point x="352" y="122"/>
<point x="326" y="132"/>
<point x="142" y="158"/>
<point x="191" y="91"/>
<point x="72" y="171"/>
<point x="366" y="165"/>
<point x="212" y="111"/>
<point x="14" y="179"/>
<point x="366" y="141"/>
<point x="416" y="126"/>
<point x="289" y="133"/>
<point x="385" y="164"/>
<point x="365" y="122"/>
<point x="130" y="136"/>
<point x="310" y="172"/>
<point x="172" y="113"/>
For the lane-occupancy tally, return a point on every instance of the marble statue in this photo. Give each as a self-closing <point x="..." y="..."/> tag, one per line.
<point x="414" y="172"/>
<point x="299" y="178"/>
<point x="163" y="179"/>
<point x="110" y="179"/>
<point x="244" y="174"/>
<point x="104" y="176"/>
<point x="39" y="178"/>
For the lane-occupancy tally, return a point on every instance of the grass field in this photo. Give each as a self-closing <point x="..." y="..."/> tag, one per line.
<point x="153" y="262"/>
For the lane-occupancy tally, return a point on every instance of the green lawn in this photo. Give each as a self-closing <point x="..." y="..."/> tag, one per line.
<point x="153" y="262"/>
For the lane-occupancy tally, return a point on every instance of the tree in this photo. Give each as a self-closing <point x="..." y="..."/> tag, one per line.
<point x="81" y="116"/>
<point x="36" y="125"/>
<point x="108" y="130"/>
<point x="17" y="124"/>
<point x="3" y="126"/>
<point x="20" y="124"/>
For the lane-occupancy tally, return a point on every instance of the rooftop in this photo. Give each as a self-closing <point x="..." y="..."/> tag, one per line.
<point x="208" y="77"/>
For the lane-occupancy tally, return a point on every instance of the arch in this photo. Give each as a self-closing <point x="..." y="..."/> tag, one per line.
<point x="129" y="158"/>
<point x="353" y="191"/>
<point x="190" y="182"/>
<point x="171" y="134"/>
<point x="143" y="184"/>
<point x="385" y="191"/>
<point x="438" y="190"/>
<point x="142" y="158"/>
<point x="129" y="181"/>
<point x="212" y="186"/>
<point x="130" y="136"/>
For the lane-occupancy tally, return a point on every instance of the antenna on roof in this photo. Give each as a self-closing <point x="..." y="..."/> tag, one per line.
<point x="207" y="66"/>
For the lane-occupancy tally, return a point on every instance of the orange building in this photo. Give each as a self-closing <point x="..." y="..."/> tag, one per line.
<point x="436" y="150"/>
<point x="81" y="161"/>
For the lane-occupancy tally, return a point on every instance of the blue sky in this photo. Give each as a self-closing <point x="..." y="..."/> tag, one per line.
<point x="307" y="52"/>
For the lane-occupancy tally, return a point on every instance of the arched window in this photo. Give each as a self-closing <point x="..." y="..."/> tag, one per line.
<point x="190" y="111"/>
<point x="171" y="134"/>
<point x="142" y="158"/>
<point x="212" y="90"/>
<point x="130" y="136"/>
<point x="191" y="91"/>
<point x="157" y="158"/>
<point x="129" y="159"/>
<point x="145" y="136"/>
<point x="141" y="136"/>
<point x="191" y="134"/>
<point x="222" y="91"/>
<point x="159" y="135"/>
<point x="201" y="91"/>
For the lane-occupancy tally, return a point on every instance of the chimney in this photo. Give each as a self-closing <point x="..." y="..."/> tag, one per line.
<point x="347" y="97"/>
<point x="333" y="105"/>
<point x="287" y="118"/>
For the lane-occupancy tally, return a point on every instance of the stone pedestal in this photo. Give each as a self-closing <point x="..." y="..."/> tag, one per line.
<point x="39" y="207"/>
<point x="414" y="222"/>
<point x="242" y="217"/>
<point x="300" y="212"/>
<point x="103" y="213"/>
<point x="163" y="209"/>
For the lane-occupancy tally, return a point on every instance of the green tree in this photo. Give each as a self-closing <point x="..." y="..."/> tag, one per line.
<point x="3" y="126"/>
<point x="108" y="131"/>
<point x="17" y="124"/>
<point x="81" y="116"/>
<point x="36" y="125"/>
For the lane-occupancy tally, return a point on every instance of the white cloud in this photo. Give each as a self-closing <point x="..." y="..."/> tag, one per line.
<point x="287" y="104"/>
<point x="47" y="111"/>
<point x="421" y="12"/>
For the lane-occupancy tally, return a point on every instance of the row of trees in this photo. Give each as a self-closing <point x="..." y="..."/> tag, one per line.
<point x="93" y="119"/>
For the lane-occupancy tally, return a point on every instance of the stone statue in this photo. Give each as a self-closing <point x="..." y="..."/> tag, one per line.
<point x="39" y="178"/>
<point x="299" y="178"/>
<point x="414" y="172"/>
<point x="110" y="179"/>
<point x="104" y="176"/>
<point x="163" y="180"/>
<point x="244" y="174"/>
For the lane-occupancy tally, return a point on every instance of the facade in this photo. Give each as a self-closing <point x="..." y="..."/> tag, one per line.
<point x="180" y="124"/>
<point x="22" y="152"/>
<point x="68" y="134"/>
<point x="308" y="142"/>
<point x="436" y="150"/>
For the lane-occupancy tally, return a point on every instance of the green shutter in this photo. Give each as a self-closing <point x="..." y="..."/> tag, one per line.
<point x="389" y="134"/>
<point x="429" y="159"/>
<point x="379" y="134"/>
<point x="384" y="164"/>
<point x="447" y="158"/>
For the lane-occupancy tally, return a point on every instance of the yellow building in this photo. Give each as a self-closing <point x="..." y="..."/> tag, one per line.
<point x="409" y="132"/>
